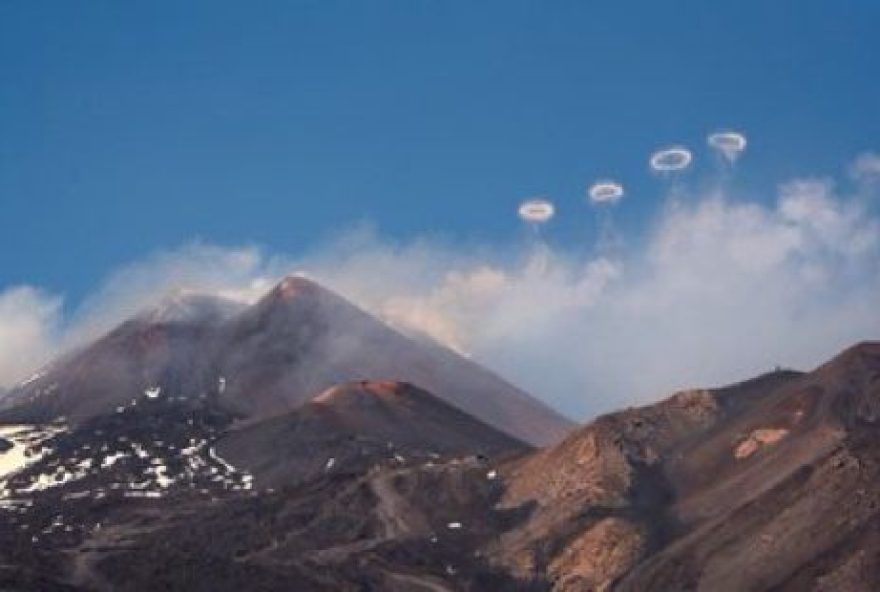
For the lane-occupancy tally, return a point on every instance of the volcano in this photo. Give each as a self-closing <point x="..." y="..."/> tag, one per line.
<point x="265" y="360"/>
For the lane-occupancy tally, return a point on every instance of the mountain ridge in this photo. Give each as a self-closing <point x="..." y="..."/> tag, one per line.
<point x="267" y="359"/>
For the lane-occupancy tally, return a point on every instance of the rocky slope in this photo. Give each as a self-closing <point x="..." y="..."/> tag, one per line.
<point x="765" y="485"/>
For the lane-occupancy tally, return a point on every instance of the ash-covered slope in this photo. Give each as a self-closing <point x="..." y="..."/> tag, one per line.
<point x="266" y="360"/>
<point x="786" y="496"/>
<point x="350" y="426"/>
<point x="600" y="500"/>
<point x="766" y="485"/>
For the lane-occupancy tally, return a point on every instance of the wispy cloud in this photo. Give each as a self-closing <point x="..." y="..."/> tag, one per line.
<point x="866" y="167"/>
<point x="29" y="323"/>
<point x="718" y="290"/>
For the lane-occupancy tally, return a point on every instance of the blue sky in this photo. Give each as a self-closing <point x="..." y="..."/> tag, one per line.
<point x="129" y="127"/>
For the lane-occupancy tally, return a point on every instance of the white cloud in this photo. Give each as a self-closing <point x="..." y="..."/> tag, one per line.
<point x="838" y="225"/>
<point x="28" y="323"/>
<point x="719" y="290"/>
<point x="866" y="167"/>
<point x="238" y="273"/>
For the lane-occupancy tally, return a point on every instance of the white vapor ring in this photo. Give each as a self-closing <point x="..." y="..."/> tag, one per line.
<point x="674" y="158"/>
<point x="729" y="143"/>
<point x="536" y="210"/>
<point x="605" y="192"/>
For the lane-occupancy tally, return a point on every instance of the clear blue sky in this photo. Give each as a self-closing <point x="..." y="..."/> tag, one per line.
<point x="131" y="126"/>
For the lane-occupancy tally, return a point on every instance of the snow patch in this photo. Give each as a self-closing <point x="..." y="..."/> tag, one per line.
<point x="112" y="459"/>
<point x="27" y="447"/>
<point x="212" y="452"/>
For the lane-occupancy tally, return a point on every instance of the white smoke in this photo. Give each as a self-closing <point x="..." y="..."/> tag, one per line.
<point x="29" y="321"/>
<point x="718" y="290"/>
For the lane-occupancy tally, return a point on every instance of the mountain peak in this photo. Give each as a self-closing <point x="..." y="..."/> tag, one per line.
<point x="364" y="391"/>
<point x="358" y="424"/>
<point x="296" y="291"/>
<point x="296" y="285"/>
